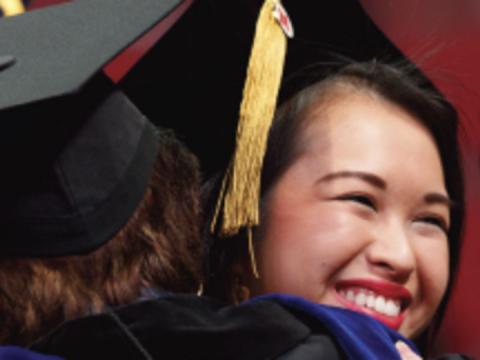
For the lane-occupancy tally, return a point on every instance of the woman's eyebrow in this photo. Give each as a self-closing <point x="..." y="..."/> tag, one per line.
<point x="368" y="177"/>
<point x="430" y="198"/>
<point x="437" y="198"/>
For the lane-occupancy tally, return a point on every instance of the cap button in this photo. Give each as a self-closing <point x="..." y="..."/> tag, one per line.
<point x="6" y="61"/>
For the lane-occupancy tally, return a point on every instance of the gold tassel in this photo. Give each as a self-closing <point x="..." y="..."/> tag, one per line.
<point x="11" y="7"/>
<point x="251" y="252"/>
<point x="240" y="193"/>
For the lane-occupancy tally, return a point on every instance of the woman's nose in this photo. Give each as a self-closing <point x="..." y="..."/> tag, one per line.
<point x="390" y="254"/>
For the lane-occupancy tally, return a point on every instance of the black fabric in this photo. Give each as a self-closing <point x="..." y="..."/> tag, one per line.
<point x="76" y="153"/>
<point x="81" y="196"/>
<point x="190" y="327"/>
<point x="314" y="347"/>
<point x="180" y="327"/>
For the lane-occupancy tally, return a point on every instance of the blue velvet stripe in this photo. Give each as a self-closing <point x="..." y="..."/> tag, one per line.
<point x="16" y="353"/>
<point x="360" y="336"/>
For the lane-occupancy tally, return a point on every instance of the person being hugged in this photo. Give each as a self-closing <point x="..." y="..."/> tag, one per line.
<point x="361" y="202"/>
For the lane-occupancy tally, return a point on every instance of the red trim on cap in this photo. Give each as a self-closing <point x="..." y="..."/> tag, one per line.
<point x="122" y="64"/>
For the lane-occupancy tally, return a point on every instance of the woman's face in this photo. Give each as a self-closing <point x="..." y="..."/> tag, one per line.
<point x="360" y="218"/>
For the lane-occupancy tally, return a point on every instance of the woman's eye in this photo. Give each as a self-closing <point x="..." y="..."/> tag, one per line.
<point x="435" y="221"/>
<point x="359" y="198"/>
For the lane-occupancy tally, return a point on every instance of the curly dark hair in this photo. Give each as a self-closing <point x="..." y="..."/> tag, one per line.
<point x="159" y="248"/>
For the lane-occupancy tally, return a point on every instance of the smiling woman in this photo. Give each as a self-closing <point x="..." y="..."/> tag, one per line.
<point x="361" y="202"/>
<point x="351" y="213"/>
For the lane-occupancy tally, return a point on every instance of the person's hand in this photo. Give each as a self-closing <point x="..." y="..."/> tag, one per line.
<point x="405" y="352"/>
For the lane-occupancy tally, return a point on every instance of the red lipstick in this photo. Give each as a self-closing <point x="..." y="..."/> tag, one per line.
<point x="387" y="289"/>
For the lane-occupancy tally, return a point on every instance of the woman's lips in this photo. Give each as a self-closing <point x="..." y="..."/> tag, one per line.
<point x="385" y="301"/>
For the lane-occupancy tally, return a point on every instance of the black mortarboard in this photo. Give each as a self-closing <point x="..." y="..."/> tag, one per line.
<point x="76" y="154"/>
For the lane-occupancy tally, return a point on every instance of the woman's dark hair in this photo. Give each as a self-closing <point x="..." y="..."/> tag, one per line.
<point x="403" y="85"/>
<point x="160" y="248"/>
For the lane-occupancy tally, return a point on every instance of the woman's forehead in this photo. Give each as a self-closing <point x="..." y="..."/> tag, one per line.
<point x="357" y="131"/>
<point x="342" y="107"/>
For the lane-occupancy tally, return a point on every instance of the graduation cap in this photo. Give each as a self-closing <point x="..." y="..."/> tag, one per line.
<point x="76" y="153"/>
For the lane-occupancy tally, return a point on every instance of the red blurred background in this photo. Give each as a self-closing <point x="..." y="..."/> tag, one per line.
<point x="441" y="36"/>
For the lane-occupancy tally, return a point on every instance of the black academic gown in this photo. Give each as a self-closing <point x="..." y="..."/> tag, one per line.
<point x="188" y="327"/>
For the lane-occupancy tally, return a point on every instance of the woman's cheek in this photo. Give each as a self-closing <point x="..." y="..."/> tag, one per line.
<point x="299" y="254"/>
<point x="432" y="270"/>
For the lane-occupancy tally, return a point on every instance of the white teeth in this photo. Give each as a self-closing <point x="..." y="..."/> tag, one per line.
<point x="368" y="299"/>
<point x="360" y="299"/>
<point x="380" y="304"/>
<point x="371" y="301"/>
<point x="391" y="309"/>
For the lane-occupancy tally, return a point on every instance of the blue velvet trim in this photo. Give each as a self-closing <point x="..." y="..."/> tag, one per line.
<point x="360" y="336"/>
<point x="16" y="353"/>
